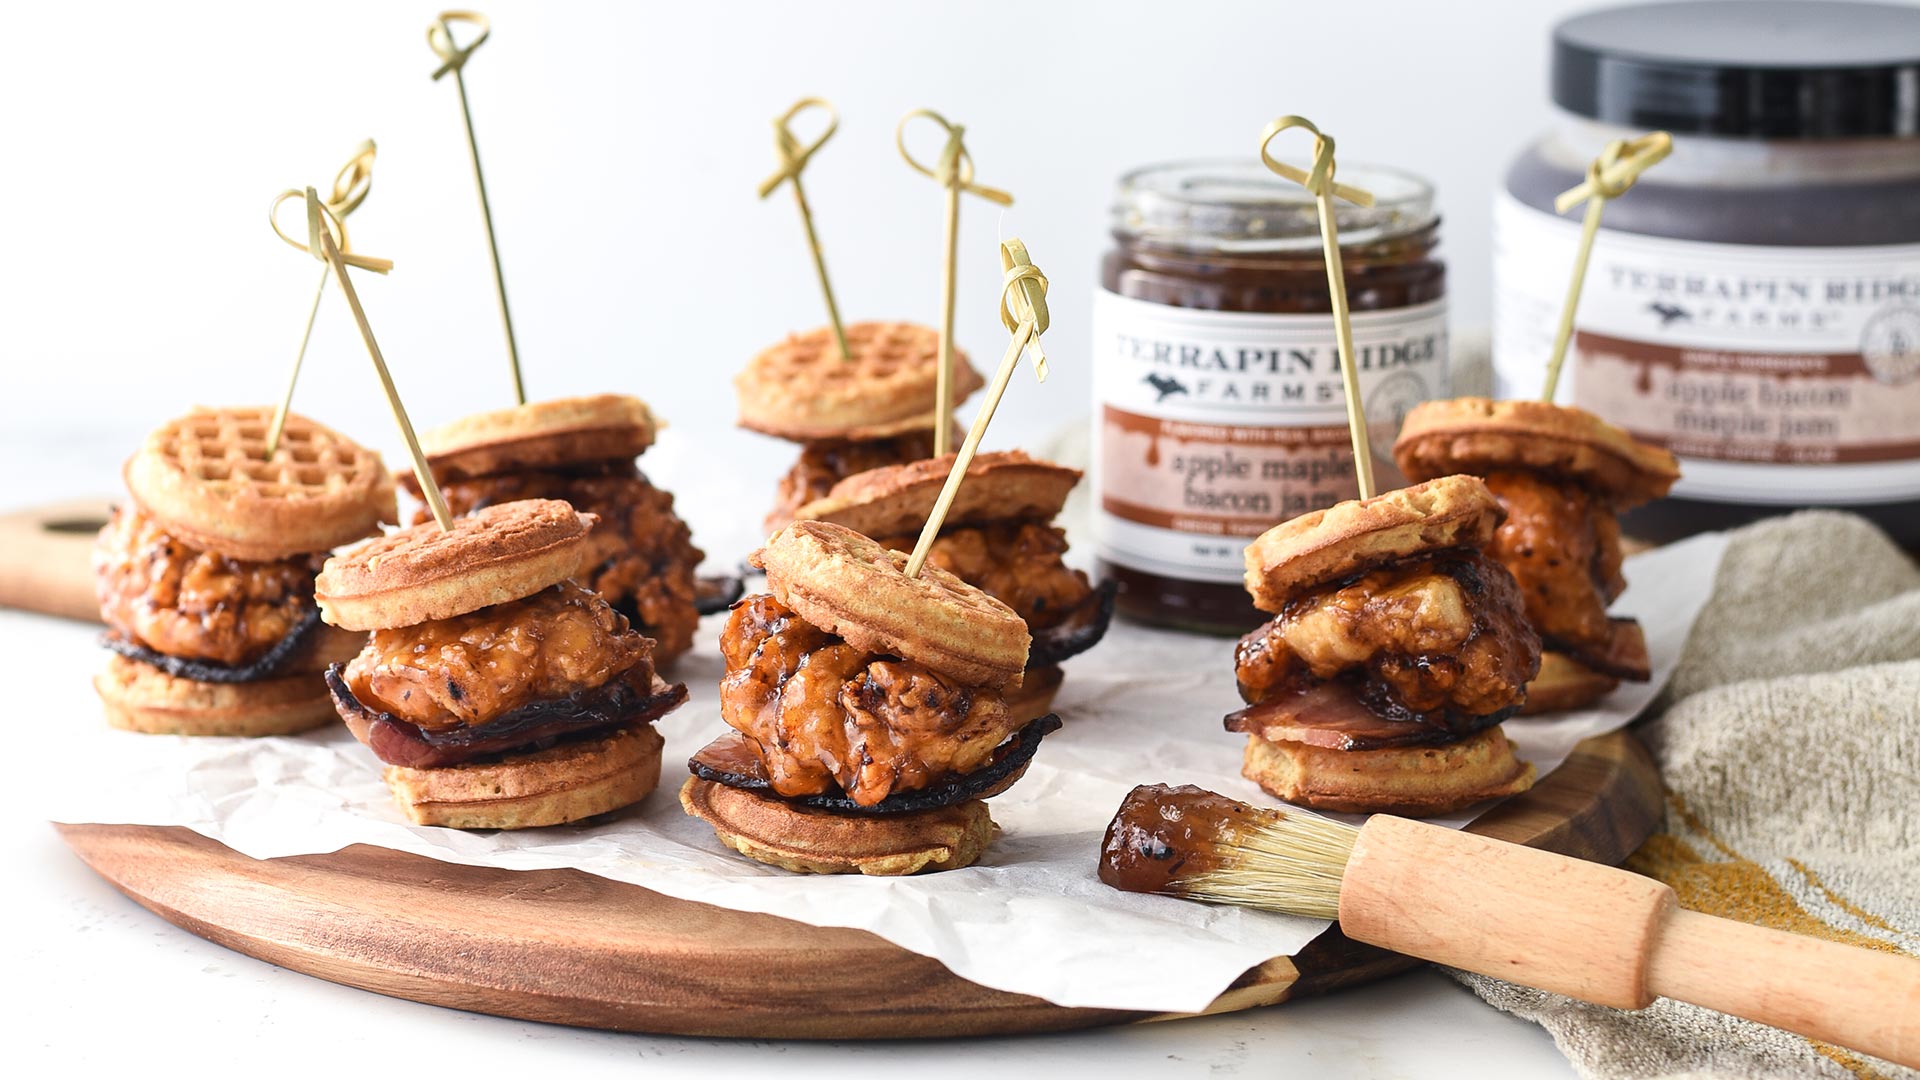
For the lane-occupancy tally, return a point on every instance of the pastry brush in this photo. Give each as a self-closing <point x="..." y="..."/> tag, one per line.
<point x="1532" y="917"/>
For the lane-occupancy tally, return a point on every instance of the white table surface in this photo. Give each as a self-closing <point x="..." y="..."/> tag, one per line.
<point x="102" y="983"/>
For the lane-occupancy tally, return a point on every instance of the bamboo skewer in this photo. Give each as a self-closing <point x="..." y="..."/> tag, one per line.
<point x="1609" y="176"/>
<point x="794" y="158"/>
<point x="350" y="188"/>
<point x="1319" y="180"/>
<point x="321" y="243"/>
<point x="454" y="59"/>
<point x="1023" y="311"/>
<point x="954" y="172"/>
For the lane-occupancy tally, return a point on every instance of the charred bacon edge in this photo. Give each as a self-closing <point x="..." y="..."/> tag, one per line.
<point x="533" y="726"/>
<point x="1081" y="630"/>
<point x="714" y="593"/>
<point x="268" y="666"/>
<point x="1414" y="729"/>
<point x="1009" y="763"/>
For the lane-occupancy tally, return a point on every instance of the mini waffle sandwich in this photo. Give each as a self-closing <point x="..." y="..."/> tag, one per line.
<point x="499" y="693"/>
<point x="1561" y="474"/>
<point x="999" y="537"/>
<point x="871" y="712"/>
<point x="581" y="451"/>
<point x="1397" y="647"/>
<point x="205" y="577"/>
<point x="848" y="414"/>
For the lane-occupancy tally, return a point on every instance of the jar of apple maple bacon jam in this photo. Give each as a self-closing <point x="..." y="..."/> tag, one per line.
<point x="1218" y="406"/>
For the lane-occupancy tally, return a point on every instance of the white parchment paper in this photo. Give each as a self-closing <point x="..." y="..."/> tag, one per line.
<point x="1032" y="917"/>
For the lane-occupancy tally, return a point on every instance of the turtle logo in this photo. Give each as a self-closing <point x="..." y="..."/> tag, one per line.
<point x="1166" y="385"/>
<point x="1670" y="313"/>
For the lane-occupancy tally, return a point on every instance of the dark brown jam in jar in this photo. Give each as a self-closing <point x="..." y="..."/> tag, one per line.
<point x="1218" y="408"/>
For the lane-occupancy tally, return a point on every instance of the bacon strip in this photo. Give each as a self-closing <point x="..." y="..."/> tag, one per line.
<point x="734" y="760"/>
<point x="1623" y="655"/>
<point x="268" y="666"/>
<point x="1328" y="715"/>
<point x="541" y="723"/>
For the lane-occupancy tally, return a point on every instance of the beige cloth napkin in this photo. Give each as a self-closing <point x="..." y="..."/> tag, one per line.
<point x="1789" y="740"/>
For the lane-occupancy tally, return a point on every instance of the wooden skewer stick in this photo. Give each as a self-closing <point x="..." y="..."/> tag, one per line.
<point x="793" y="158"/>
<point x="321" y="238"/>
<point x="1609" y="177"/>
<point x="1319" y="180"/>
<point x="1023" y="311"/>
<point x="954" y="172"/>
<point x="454" y="59"/>
<point x="350" y="187"/>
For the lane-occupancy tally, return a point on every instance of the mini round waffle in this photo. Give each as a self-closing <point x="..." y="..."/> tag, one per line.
<point x="809" y="841"/>
<point x="845" y="584"/>
<point x="563" y="783"/>
<point x="141" y="697"/>
<point x="1416" y="781"/>
<point x="416" y="575"/>
<point x="803" y="390"/>
<point x="1477" y="435"/>
<point x="1565" y="683"/>
<point x="541" y="435"/>
<point x="895" y="500"/>
<point x="1348" y="537"/>
<point x="207" y="479"/>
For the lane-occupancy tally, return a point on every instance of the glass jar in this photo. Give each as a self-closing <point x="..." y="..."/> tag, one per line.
<point x="1219" y="408"/>
<point x="1753" y="304"/>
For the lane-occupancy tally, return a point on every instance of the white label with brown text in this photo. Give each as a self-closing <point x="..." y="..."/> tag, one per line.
<point x="1779" y="375"/>
<point x="1210" y="427"/>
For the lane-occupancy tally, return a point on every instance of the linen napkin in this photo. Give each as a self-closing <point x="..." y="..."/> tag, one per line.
<point x="1789" y="739"/>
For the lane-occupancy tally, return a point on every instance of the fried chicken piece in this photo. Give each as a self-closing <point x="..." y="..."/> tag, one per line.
<point x="1562" y="542"/>
<point x="476" y="667"/>
<point x="824" y="463"/>
<point x="1432" y="635"/>
<point x="644" y="555"/>
<point x="178" y="600"/>
<point x="824" y="713"/>
<point x="1017" y="563"/>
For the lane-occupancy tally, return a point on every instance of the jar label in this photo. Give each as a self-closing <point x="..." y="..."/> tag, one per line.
<point x="1210" y="427"/>
<point x="1739" y="359"/>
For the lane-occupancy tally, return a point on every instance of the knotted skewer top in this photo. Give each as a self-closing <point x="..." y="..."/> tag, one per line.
<point x="454" y="56"/>
<point x="792" y="153"/>
<point x="954" y="169"/>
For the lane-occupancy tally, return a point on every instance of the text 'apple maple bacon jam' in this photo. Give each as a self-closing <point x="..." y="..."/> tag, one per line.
<point x="1218" y="405"/>
<point x="1753" y="304"/>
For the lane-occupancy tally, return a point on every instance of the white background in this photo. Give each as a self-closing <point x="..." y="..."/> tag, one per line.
<point x="623" y="144"/>
<point x="137" y="277"/>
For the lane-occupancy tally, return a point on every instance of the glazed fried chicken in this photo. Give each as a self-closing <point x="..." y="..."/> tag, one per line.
<point x="1562" y="543"/>
<point x="823" y="712"/>
<point x="473" y="668"/>
<point x="824" y="463"/>
<point x="644" y="554"/>
<point x="1016" y="562"/>
<point x="1436" y="636"/>
<point x="158" y="592"/>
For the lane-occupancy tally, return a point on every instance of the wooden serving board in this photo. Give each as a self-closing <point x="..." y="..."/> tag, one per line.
<point x="567" y="947"/>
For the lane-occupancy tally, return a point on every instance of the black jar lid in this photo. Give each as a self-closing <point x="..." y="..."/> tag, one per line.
<point x="1778" y="69"/>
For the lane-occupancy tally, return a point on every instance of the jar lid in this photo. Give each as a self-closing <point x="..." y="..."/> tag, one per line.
<point x="1236" y="204"/>
<point x="1779" y="69"/>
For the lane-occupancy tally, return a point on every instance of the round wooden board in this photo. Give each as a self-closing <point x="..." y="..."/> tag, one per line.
<point x="567" y="947"/>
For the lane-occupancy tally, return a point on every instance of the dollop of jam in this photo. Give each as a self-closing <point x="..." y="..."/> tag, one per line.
<point x="1162" y="836"/>
<point x="1016" y="562"/>
<point x="825" y="462"/>
<point x="474" y="668"/>
<point x="161" y="593"/>
<point x="824" y="713"/>
<point x="1424" y="640"/>
<point x="644" y="554"/>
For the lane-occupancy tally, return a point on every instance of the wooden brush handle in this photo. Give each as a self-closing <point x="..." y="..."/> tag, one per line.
<point x="1615" y="938"/>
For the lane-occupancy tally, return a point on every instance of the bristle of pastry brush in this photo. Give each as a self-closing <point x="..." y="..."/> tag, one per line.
<point x="1286" y="862"/>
